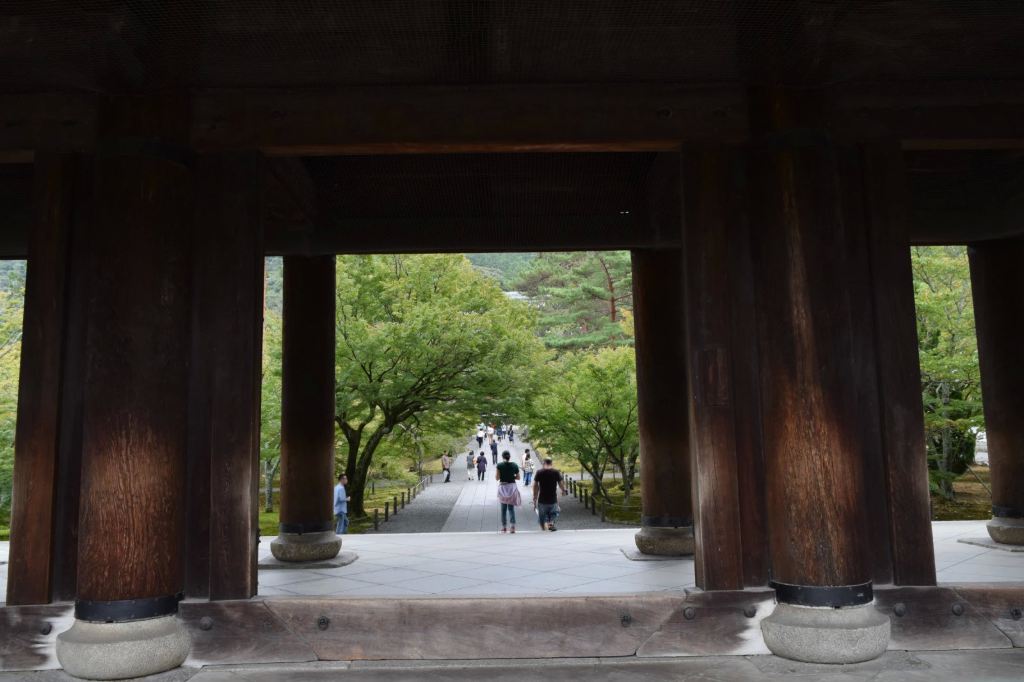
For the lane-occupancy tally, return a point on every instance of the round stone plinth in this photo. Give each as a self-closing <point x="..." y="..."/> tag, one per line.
<point x="1006" y="530"/>
<point x="851" y="634"/>
<point x="114" y="651"/>
<point x="665" y="541"/>
<point x="306" y="547"/>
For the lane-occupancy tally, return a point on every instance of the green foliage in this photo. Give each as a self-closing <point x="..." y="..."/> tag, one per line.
<point x="581" y="297"/>
<point x="948" y="351"/>
<point x="588" y="411"/>
<point x="423" y="339"/>
<point x="12" y="304"/>
<point x="507" y="268"/>
<point x="270" y="403"/>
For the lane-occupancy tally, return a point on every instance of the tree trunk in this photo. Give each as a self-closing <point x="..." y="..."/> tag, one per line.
<point x="269" y="471"/>
<point x="945" y="485"/>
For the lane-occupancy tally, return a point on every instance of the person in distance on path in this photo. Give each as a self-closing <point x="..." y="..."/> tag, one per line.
<point x="446" y="467"/>
<point x="508" y="492"/>
<point x="545" y="494"/>
<point x="528" y="466"/>
<point x="494" y="452"/>
<point x="470" y="465"/>
<point x="481" y="466"/>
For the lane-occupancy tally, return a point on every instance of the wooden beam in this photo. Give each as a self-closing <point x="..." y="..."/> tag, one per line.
<point x="47" y="122"/>
<point x="929" y="115"/>
<point x="449" y="119"/>
<point x="472" y="234"/>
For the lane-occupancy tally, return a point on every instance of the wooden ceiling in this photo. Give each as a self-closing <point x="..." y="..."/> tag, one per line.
<point x="137" y="45"/>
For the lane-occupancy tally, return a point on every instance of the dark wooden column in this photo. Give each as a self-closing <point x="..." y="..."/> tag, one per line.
<point x="667" y="519"/>
<point x="722" y="372"/>
<point x="813" y="441"/>
<point x="997" y="278"/>
<point x="37" y="439"/>
<point x="307" y="404"/>
<point x="904" y="482"/>
<point x="136" y="368"/>
<point x="224" y="398"/>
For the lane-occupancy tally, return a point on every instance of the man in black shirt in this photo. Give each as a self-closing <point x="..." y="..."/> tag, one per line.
<point x="546" y="483"/>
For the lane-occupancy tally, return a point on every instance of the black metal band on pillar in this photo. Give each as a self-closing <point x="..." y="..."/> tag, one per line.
<point x="302" y="528"/>
<point x="125" y="610"/>
<point x="666" y="522"/>
<point x="1007" y="512"/>
<point x="835" y="596"/>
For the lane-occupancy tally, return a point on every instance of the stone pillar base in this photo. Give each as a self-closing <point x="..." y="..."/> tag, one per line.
<point x="1006" y="530"/>
<point x="850" y="634"/>
<point x="306" y="546"/>
<point x="665" y="541"/>
<point x="114" y="651"/>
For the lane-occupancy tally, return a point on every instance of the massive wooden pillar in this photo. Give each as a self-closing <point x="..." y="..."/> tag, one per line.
<point x="36" y="500"/>
<point x="667" y="520"/>
<point x="997" y="279"/>
<point x="134" y="421"/>
<point x="224" y="403"/>
<point x="902" y="488"/>
<point x="814" y="440"/>
<point x="722" y="372"/>
<point x="307" y="412"/>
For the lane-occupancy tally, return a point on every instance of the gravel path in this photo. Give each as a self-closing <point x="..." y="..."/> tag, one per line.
<point x="429" y="511"/>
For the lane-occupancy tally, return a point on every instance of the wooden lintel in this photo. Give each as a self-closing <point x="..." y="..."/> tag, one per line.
<point x="440" y="235"/>
<point x="948" y="115"/>
<point x="47" y="122"/>
<point x="446" y="119"/>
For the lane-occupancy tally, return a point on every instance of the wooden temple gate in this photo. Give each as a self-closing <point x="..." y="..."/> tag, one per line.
<point x="770" y="229"/>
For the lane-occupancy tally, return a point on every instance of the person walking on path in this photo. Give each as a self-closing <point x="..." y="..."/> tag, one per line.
<point x="470" y="465"/>
<point x="446" y="467"/>
<point x="481" y="466"/>
<point x="508" y="491"/>
<point x="528" y="464"/>
<point x="480" y="437"/>
<point x="494" y="452"/>
<point x="341" y="499"/>
<point x="545" y="494"/>
<point x="511" y="434"/>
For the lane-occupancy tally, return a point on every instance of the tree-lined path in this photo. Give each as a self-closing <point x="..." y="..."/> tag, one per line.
<point x="464" y="506"/>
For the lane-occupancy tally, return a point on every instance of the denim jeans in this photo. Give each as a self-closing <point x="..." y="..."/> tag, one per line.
<point x="510" y="511"/>
<point x="547" y="513"/>
<point x="342" y="523"/>
<point x="528" y="476"/>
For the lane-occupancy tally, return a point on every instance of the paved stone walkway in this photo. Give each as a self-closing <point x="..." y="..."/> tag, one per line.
<point x="469" y="505"/>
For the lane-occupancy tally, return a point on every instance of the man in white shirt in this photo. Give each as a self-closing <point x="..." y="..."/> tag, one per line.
<point x="341" y="499"/>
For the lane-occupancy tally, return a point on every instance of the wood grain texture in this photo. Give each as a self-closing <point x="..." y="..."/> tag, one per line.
<point x="662" y="410"/>
<point x="899" y="372"/>
<point x="708" y="221"/>
<point x="997" y="279"/>
<point x="39" y="391"/>
<point x="136" y="381"/>
<point x="227" y="352"/>
<point x="813" y="444"/>
<point x="307" y="390"/>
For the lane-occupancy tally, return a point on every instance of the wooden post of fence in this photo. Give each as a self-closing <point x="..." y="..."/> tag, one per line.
<point x="373" y="487"/>
<point x="394" y="505"/>
<point x="376" y="519"/>
<point x="585" y="501"/>
<point x="602" y="511"/>
<point x="403" y="499"/>
<point x="386" y="505"/>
